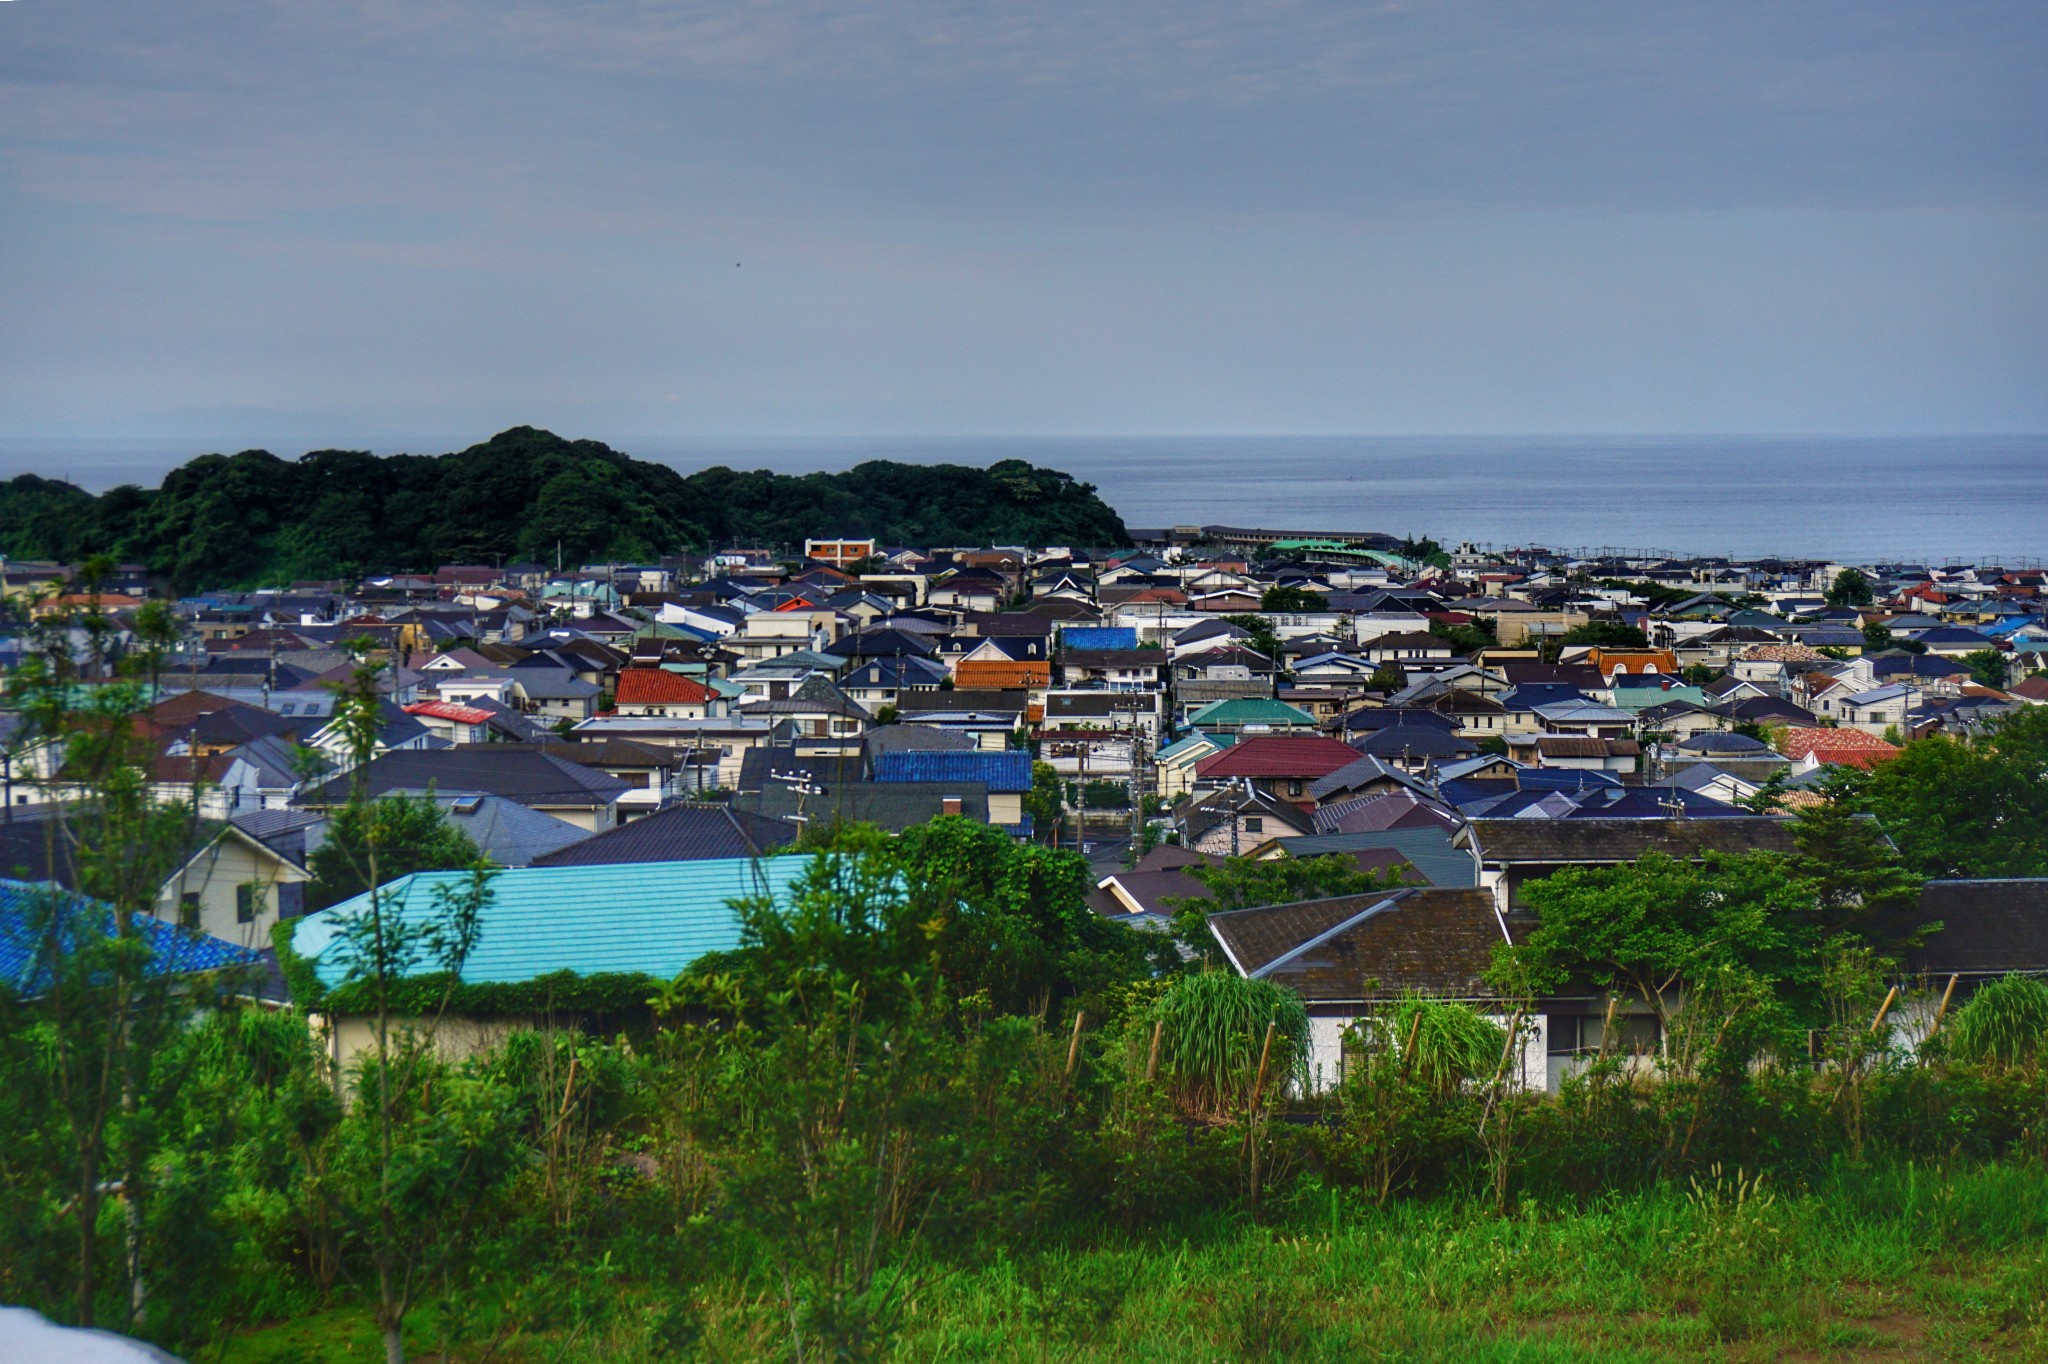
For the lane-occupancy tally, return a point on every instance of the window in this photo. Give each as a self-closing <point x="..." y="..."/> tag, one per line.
<point x="248" y="899"/>
<point x="188" y="910"/>
<point x="1254" y="824"/>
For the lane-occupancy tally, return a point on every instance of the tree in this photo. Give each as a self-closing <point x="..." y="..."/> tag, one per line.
<point x="414" y="1164"/>
<point x="1261" y="634"/>
<point x="411" y="833"/>
<point x="1850" y="588"/>
<point x="106" y="1002"/>
<point x="1877" y="637"/>
<point x="1248" y="882"/>
<point x="1605" y="634"/>
<point x="1734" y="933"/>
<point x="1046" y="801"/>
<point x="1465" y="638"/>
<point x="1988" y="668"/>
<point x="1971" y="807"/>
<point x="1283" y="598"/>
<point x="1387" y="677"/>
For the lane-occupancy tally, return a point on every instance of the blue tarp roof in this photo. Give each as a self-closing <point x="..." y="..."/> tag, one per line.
<point x="27" y="910"/>
<point x="1007" y="771"/>
<point x="650" y="917"/>
<point x="1099" y="637"/>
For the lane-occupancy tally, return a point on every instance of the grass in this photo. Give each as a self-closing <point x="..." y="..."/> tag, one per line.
<point x="1894" y="1267"/>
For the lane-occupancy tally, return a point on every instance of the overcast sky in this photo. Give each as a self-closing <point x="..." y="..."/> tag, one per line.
<point x="362" y="220"/>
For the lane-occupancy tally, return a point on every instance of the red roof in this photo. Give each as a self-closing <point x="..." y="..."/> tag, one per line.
<point x="450" y="710"/>
<point x="1851" y="747"/>
<point x="659" y="687"/>
<point x="1303" y="756"/>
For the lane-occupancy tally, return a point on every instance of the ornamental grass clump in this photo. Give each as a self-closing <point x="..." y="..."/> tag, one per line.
<point x="2004" y="1024"/>
<point x="1213" y="1031"/>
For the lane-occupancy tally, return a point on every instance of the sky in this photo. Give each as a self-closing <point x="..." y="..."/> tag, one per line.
<point x="364" y="221"/>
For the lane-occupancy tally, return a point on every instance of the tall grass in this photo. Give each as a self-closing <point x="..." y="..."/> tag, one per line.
<point x="2005" y="1023"/>
<point x="1212" y="1033"/>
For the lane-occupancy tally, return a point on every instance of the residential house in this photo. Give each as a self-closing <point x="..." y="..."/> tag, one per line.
<point x="647" y="919"/>
<point x="1282" y="766"/>
<point x="1351" y="957"/>
<point x="664" y="694"/>
<point x="1513" y="852"/>
<point x="680" y="833"/>
<point x="580" y="795"/>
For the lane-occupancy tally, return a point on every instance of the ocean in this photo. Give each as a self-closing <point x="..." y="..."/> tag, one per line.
<point x="1941" y="499"/>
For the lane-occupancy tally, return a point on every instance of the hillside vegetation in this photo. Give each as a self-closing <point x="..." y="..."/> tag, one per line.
<point x="254" y="519"/>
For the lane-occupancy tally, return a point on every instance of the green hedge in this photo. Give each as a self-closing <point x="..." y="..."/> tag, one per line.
<point x="606" y="992"/>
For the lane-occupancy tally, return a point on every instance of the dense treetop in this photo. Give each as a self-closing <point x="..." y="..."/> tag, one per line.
<point x="255" y="519"/>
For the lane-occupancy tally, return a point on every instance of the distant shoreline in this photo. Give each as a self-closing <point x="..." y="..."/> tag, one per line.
<point x="1940" y="499"/>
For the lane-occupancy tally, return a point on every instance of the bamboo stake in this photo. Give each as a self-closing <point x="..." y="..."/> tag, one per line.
<point x="1408" y="1047"/>
<point x="1266" y="1050"/>
<point x="1074" y="1045"/>
<point x="1941" y="1010"/>
<point x="1882" y="1010"/>
<point x="1152" y="1061"/>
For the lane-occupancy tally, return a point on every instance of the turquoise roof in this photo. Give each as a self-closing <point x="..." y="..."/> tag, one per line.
<point x="1250" y="710"/>
<point x="1188" y="745"/>
<point x="651" y="917"/>
<point x="1642" y="698"/>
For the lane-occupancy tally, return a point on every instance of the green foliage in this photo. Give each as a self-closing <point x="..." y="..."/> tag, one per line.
<point x="1045" y="802"/>
<point x="1248" y="882"/>
<point x="1605" y="634"/>
<point x="1105" y="795"/>
<point x="411" y="834"/>
<point x="252" y="518"/>
<point x="1279" y="598"/>
<point x="1877" y="637"/>
<point x="1851" y="587"/>
<point x="1260" y="634"/>
<point x="1728" y="943"/>
<point x="2004" y="1024"/>
<point x="1213" y="1032"/>
<point x="1975" y="806"/>
<point x="1465" y="639"/>
<point x="1441" y="1044"/>
<point x="953" y="904"/>
<point x="1387" y="677"/>
<point x="1988" y="667"/>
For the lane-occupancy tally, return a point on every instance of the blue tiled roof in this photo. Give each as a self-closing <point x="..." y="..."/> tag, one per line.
<point x="1007" y="771"/>
<point x="650" y="917"/>
<point x="25" y="942"/>
<point x="1099" y="637"/>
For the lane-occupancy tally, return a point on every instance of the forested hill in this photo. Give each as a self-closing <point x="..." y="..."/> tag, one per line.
<point x="253" y="519"/>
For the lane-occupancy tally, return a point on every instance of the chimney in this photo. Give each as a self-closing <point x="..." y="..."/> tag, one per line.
<point x="949" y="805"/>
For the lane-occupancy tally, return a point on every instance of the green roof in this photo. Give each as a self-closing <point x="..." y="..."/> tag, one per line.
<point x="1642" y="698"/>
<point x="655" y="918"/>
<point x="1250" y="710"/>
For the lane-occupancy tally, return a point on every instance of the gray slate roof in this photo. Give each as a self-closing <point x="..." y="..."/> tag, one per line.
<point x="1565" y="841"/>
<point x="679" y="833"/>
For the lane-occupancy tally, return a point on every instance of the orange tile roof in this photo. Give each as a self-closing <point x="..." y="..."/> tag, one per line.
<point x="659" y="687"/>
<point x="1001" y="674"/>
<point x="1850" y="747"/>
<point x="1610" y="661"/>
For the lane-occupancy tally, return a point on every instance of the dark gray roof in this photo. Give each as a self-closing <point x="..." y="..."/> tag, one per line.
<point x="915" y="739"/>
<point x="1566" y="841"/>
<point x="891" y="805"/>
<point x="503" y="830"/>
<point x="1988" y="927"/>
<point x="1429" y="851"/>
<point x="1373" y="946"/>
<point x="517" y="771"/>
<point x="680" y="833"/>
